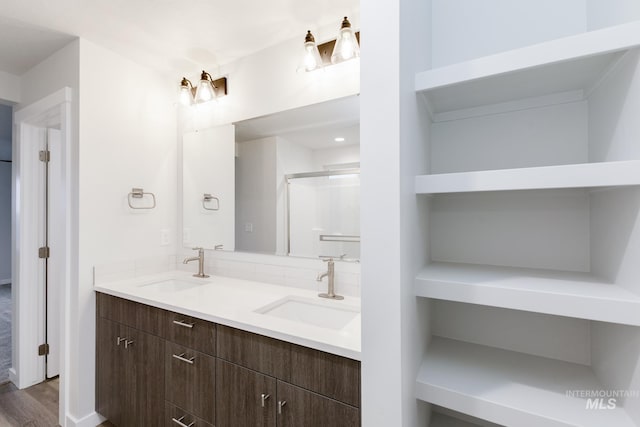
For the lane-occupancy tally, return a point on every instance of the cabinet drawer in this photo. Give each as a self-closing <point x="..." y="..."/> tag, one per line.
<point x="190" y="332"/>
<point x="244" y="398"/>
<point x="266" y="355"/>
<point x="190" y="381"/>
<point x="299" y="407"/>
<point x="130" y="313"/>
<point x="330" y="375"/>
<point x="176" y="417"/>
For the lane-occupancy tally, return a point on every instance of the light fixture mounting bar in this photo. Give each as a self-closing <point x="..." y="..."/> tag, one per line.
<point x="220" y="86"/>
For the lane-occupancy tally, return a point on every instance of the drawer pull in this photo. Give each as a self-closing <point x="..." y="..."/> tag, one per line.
<point x="128" y="343"/>
<point x="180" y="423"/>
<point x="264" y="398"/>
<point x="183" y="323"/>
<point x="281" y="403"/>
<point x="181" y="357"/>
<point x="119" y="340"/>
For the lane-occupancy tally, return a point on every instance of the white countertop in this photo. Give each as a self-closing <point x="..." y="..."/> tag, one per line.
<point x="233" y="302"/>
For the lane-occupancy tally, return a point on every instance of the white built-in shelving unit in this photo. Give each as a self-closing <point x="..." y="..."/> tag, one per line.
<point x="533" y="219"/>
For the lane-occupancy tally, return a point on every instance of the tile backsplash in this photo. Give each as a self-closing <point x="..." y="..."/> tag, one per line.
<point x="285" y="271"/>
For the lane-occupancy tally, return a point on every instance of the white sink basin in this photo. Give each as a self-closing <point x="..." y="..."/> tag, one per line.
<point x="324" y="314"/>
<point x="171" y="285"/>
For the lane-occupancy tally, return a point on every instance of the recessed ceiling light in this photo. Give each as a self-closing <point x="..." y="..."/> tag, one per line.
<point x="339" y="139"/>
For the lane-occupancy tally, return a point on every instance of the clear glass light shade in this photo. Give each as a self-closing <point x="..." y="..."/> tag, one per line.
<point x="346" y="46"/>
<point x="185" y="96"/>
<point x="205" y="91"/>
<point x="311" y="57"/>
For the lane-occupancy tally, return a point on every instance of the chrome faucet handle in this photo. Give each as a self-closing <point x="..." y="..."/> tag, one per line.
<point x="218" y="247"/>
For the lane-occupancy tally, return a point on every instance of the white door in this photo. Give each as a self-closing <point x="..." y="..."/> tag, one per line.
<point x="54" y="239"/>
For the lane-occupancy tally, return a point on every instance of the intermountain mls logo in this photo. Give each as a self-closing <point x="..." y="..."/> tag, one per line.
<point x="603" y="399"/>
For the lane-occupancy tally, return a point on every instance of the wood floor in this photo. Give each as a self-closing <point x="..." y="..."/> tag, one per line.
<point x="35" y="406"/>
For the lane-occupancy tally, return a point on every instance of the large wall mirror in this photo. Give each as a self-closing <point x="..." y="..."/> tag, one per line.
<point x="285" y="184"/>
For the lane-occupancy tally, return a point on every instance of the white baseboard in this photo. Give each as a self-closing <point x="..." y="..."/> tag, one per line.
<point x="92" y="420"/>
<point x="13" y="377"/>
<point x="5" y="281"/>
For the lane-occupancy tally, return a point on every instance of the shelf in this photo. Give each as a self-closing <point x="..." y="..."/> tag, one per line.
<point x="562" y="65"/>
<point x="587" y="175"/>
<point x="543" y="291"/>
<point x="510" y="388"/>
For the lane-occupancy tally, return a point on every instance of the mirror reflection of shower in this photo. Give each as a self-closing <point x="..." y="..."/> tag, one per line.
<point x="323" y="212"/>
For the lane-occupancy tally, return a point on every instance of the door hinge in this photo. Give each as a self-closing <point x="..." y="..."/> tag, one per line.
<point x="43" y="349"/>
<point x="44" y="252"/>
<point x="44" y="155"/>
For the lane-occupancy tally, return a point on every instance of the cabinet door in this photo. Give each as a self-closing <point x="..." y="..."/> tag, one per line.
<point x="330" y="375"/>
<point x="297" y="407"/>
<point x="190" y="381"/>
<point x="244" y="398"/>
<point x="146" y="377"/>
<point x="112" y="393"/>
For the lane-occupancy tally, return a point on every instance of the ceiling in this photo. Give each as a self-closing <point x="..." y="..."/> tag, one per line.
<point x="315" y="126"/>
<point x="172" y="36"/>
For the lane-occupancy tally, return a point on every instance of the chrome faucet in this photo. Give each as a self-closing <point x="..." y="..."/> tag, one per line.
<point x="200" y="259"/>
<point x="329" y="274"/>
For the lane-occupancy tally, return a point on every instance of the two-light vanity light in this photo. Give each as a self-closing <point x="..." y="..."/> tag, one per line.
<point x="207" y="89"/>
<point x="343" y="48"/>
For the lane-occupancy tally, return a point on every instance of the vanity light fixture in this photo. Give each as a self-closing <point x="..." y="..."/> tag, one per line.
<point x="207" y="89"/>
<point x="339" y="139"/>
<point x="345" y="47"/>
<point x="312" y="58"/>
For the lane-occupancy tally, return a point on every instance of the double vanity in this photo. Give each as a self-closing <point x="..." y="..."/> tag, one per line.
<point x="175" y="350"/>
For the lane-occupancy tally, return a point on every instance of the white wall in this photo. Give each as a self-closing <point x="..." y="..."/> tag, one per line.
<point x="9" y="87"/>
<point x="127" y="135"/>
<point x="256" y="195"/>
<point x="467" y="29"/>
<point x="293" y="158"/>
<point x="604" y="13"/>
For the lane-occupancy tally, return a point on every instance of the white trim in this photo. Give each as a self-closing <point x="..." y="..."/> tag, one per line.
<point x="92" y="420"/>
<point x="13" y="377"/>
<point x="51" y="111"/>
<point x="32" y="112"/>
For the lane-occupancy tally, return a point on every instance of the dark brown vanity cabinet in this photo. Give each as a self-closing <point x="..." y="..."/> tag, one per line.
<point x="244" y="398"/>
<point x="302" y="386"/>
<point x="159" y="368"/>
<point x="130" y="378"/>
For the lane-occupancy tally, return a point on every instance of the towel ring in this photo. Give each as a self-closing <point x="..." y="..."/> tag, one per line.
<point x="138" y="193"/>
<point x="209" y="198"/>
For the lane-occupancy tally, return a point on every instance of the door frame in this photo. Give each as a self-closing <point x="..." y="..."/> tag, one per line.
<point x="53" y="111"/>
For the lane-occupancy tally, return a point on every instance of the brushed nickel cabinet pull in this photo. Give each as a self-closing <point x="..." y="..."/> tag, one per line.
<point x="181" y="357"/>
<point x="119" y="340"/>
<point x="264" y="398"/>
<point x="281" y="403"/>
<point x="128" y="343"/>
<point x="183" y="323"/>
<point x="180" y="423"/>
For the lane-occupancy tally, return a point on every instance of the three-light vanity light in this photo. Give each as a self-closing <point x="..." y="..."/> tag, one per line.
<point x="343" y="48"/>
<point x="207" y="89"/>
